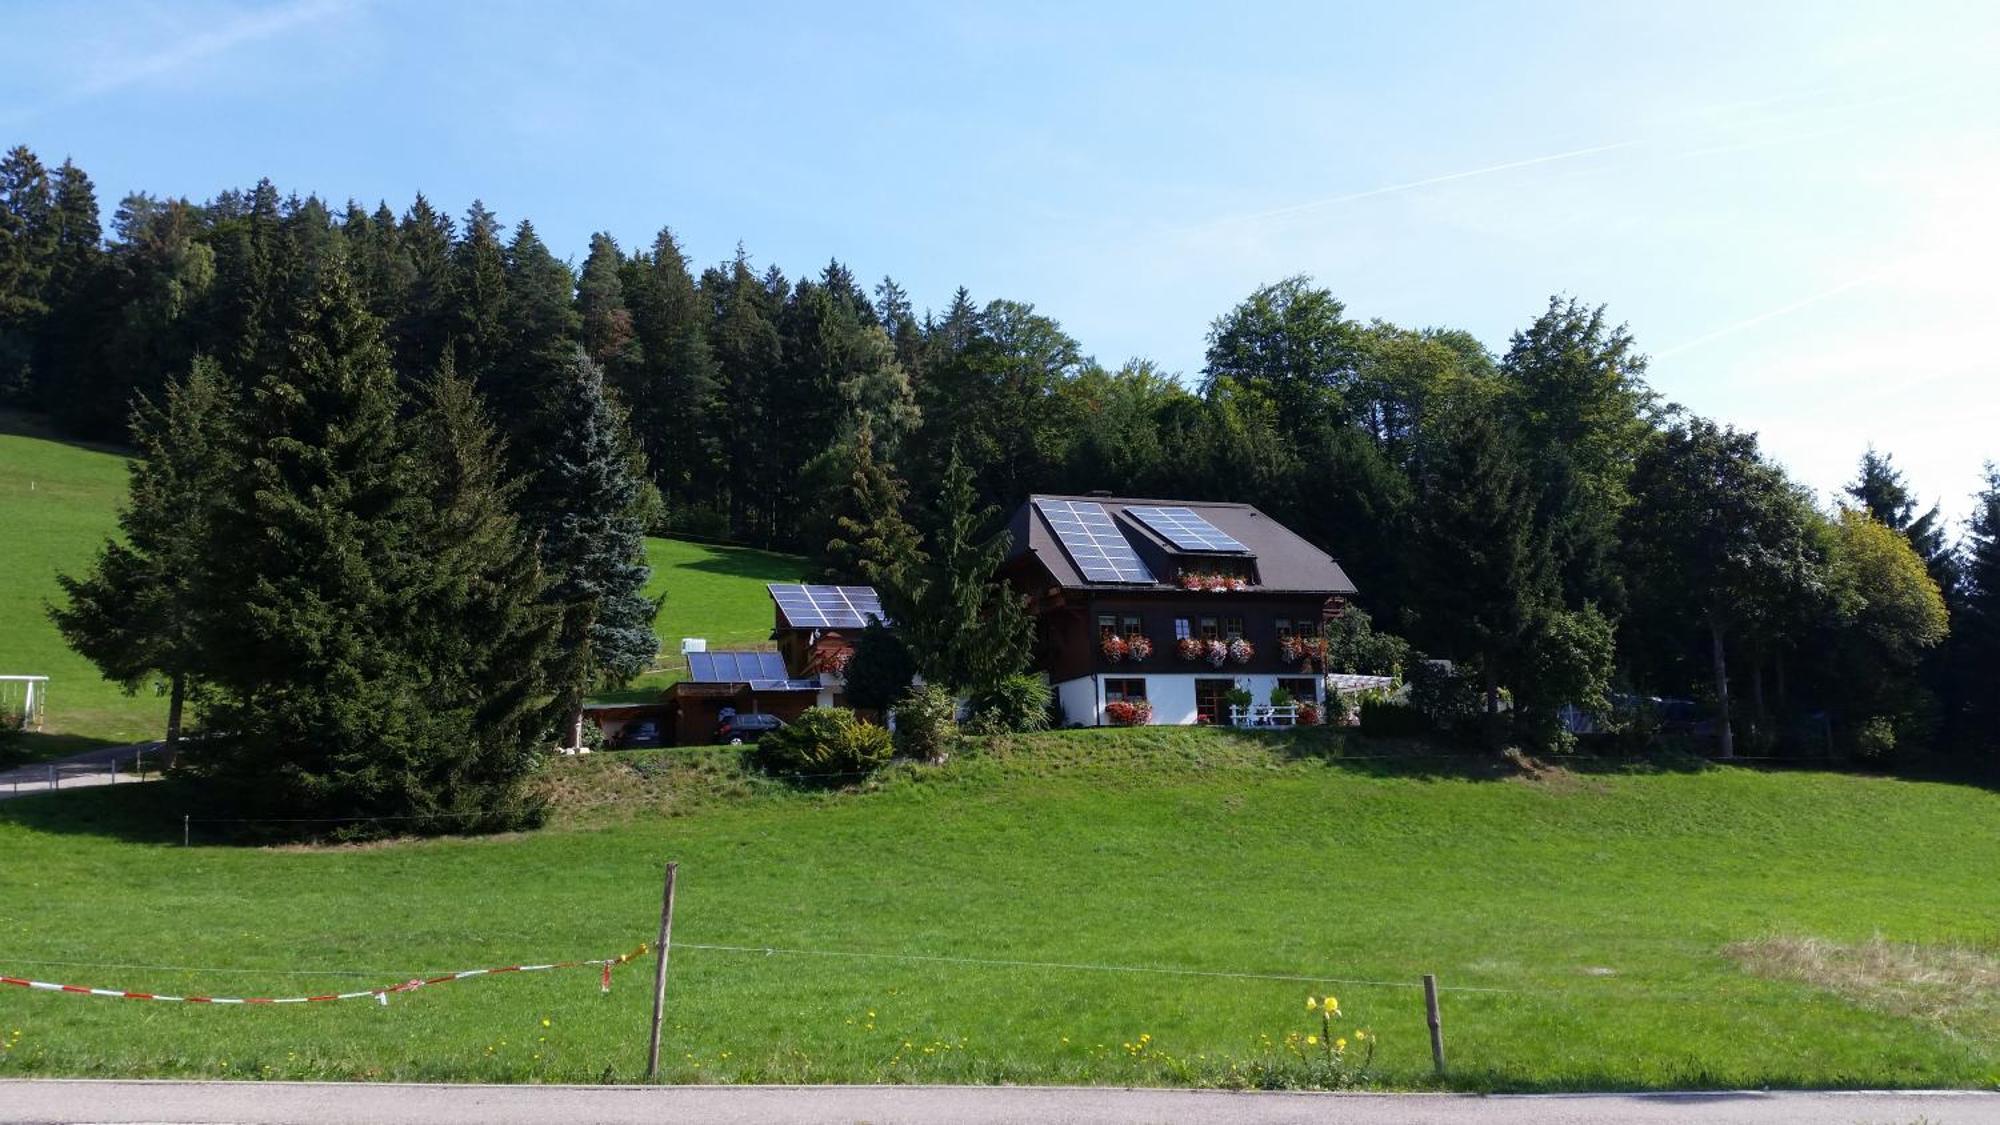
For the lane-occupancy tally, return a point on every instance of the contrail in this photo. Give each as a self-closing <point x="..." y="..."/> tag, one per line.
<point x="1411" y="185"/>
<point x="1760" y="318"/>
<point x="260" y="24"/>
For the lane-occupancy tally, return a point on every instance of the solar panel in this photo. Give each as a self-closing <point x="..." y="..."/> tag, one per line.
<point x="735" y="667"/>
<point x="1094" y="543"/>
<point x="827" y="607"/>
<point x="1187" y="529"/>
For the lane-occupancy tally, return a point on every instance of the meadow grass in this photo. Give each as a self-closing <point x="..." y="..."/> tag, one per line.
<point x="59" y="501"/>
<point x="1608" y="904"/>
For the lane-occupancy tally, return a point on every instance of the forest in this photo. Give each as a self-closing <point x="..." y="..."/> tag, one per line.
<point x="1540" y="517"/>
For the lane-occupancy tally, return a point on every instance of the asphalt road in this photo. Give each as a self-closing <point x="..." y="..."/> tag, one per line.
<point x="327" y="1103"/>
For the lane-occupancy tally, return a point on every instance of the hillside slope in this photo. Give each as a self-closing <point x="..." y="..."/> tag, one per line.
<point x="1146" y="906"/>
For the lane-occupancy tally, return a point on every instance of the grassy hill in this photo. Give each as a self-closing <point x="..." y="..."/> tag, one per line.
<point x="1007" y="917"/>
<point x="59" y="500"/>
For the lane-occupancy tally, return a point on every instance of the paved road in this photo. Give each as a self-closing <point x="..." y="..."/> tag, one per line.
<point x="328" y="1103"/>
<point x="91" y="767"/>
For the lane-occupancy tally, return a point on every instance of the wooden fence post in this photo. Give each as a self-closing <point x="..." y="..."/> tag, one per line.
<point x="1437" y="1024"/>
<point x="660" y="973"/>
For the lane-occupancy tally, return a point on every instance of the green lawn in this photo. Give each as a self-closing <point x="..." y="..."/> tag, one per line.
<point x="1602" y="901"/>
<point x="59" y="500"/>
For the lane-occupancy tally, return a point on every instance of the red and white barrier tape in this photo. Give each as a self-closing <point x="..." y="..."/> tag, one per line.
<point x="381" y="995"/>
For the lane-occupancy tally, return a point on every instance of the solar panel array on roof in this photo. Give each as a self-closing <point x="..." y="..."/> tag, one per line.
<point x="827" y="607"/>
<point x="1187" y="529"/>
<point x="763" y="671"/>
<point x="1094" y="543"/>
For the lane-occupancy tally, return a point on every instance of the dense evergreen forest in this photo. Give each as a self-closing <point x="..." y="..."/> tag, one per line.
<point x="1541" y="517"/>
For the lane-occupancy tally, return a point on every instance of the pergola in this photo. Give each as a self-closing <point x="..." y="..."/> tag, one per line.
<point x="28" y="695"/>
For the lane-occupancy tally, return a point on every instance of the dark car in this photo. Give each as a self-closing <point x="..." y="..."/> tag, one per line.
<point x="737" y="729"/>
<point x="643" y="733"/>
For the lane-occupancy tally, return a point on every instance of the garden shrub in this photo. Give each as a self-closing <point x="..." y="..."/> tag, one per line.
<point x="1875" y="738"/>
<point x="926" y="727"/>
<point x="825" y="740"/>
<point x="1446" y="697"/>
<point x="1015" y="705"/>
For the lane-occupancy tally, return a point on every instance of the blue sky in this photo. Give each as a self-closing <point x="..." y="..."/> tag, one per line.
<point x="1795" y="206"/>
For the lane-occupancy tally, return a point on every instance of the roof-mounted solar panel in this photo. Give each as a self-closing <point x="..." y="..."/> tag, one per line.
<point x="1099" y="550"/>
<point x="827" y="607"/>
<point x="735" y="667"/>
<point x="1187" y="529"/>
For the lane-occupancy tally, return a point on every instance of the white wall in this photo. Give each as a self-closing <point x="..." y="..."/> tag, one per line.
<point x="1079" y="701"/>
<point x="1170" y="693"/>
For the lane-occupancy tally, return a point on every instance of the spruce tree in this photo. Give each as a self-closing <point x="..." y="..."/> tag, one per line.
<point x="27" y="255"/>
<point x="1880" y="490"/>
<point x="311" y="591"/>
<point x="873" y="542"/>
<point x="74" y="285"/>
<point x="1483" y="569"/>
<point x="586" y="504"/>
<point x="966" y="628"/>
<point x="672" y="391"/>
<point x="600" y="304"/>
<point x="488" y="636"/>
<point x="135" y="614"/>
<point x="1975" y="629"/>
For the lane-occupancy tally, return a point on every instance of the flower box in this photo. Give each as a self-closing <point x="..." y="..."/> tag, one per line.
<point x="1191" y="648"/>
<point x="1129" y="712"/>
<point x="1139" y="647"/>
<point x="1115" y="649"/>
<point x="1215" y="652"/>
<point x="1242" y="651"/>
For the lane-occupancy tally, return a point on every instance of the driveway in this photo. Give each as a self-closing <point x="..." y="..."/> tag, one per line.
<point x="326" y="1103"/>
<point x="103" y="766"/>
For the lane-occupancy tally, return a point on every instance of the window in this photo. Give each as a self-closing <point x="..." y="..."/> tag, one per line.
<point x="1302" y="689"/>
<point x="1132" y="626"/>
<point x="1285" y="628"/>
<point x="1211" y="701"/>
<point x="1107" y="626"/>
<point x="1183" y="628"/>
<point x="1208" y="630"/>
<point x="1125" y="691"/>
<point x="1232" y="627"/>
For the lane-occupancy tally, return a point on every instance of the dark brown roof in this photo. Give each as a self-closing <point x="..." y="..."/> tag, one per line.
<point x="1285" y="562"/>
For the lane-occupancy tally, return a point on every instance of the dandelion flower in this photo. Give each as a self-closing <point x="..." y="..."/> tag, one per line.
<point x="1311" y="1004"/>
<point x="1332" y="1005"/>
<point x="1312" y="1040"/>
<point x="1340" y="1044"/>
<point x="545" y="1021"/>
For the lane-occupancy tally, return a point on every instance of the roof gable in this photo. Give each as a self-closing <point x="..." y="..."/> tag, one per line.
<point x="1284" y="560"/>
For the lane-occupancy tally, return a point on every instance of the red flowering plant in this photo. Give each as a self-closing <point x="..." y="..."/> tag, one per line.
<point x="1129" y="712"/>
<point x="1115" y="648"/>
<point x="1242" y="651"/>
<point x="1191" y="648"/>
<point x="1190" y="580"/>
<point x="1215" y="652"/>
<point x="1308" y="714"/>
<point x="1290" y="649"/>
<point x="1140" y="646"/>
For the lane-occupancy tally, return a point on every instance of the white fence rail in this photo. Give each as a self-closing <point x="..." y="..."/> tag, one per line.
<point x="1264" y="715"/>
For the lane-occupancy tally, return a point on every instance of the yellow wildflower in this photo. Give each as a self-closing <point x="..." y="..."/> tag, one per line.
<point x="1312" y="1040"/>
<point x="1311" y="1004"/>
<point x="545" y="1021"/>
<point x="1333" y="1005"/>
<point x="1340" y="1044"/>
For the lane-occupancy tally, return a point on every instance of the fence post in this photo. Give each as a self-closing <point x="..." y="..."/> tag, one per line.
<point x="184" y="830"/>
<point x="114" y="771"/>
<point x="55" y="780"/>
<point x="660" y="973"/>
<point x="1437" y="1024"/>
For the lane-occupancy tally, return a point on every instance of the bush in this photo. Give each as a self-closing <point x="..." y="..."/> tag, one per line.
<point x="1444" y="696"/>
<point x="1875" y="738"/>
<point x="825" y="740"/>
<point x="879" y="671"/>
<point x="1382" y="718"/>
<point x="925" y="724"/>
<point x="1016" y="704"/>
<point x="1129" y="712"/>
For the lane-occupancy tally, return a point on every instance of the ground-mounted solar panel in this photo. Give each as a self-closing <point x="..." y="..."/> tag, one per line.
<point x="827" y="607"/>
<point x="1100" y="551"/>
<point x="1187" y="529"/>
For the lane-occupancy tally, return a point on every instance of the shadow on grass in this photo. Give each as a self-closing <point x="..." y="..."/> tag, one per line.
<point x="148" y="813"/>
<point x="28" y="747"/>
<point x="20" y="423"/>
<point x="1437" y="758"/>
<point x="746" y="562"/>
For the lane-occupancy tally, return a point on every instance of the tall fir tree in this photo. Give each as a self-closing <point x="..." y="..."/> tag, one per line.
<point x="600" y="305"/>
<point x="74" y="288"/>
<point x="1483" y="568"/>
<point x="1974" y="706"/>
<point x="965" y="629"/>
<point x="135" y="614"/>
<point x="311" y="585"/>
<point x="1880" y="490"/>
<point x="585" y="504"/>
<point x="873" y="542"/>
<point x="672" y="390"/>
<point x="28" y="232"/>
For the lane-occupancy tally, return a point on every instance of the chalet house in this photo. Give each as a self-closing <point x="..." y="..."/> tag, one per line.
<point x="1177" y="603"/>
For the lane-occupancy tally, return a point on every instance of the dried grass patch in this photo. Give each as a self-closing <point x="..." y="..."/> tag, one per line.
<point x="1956" y="987"/>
